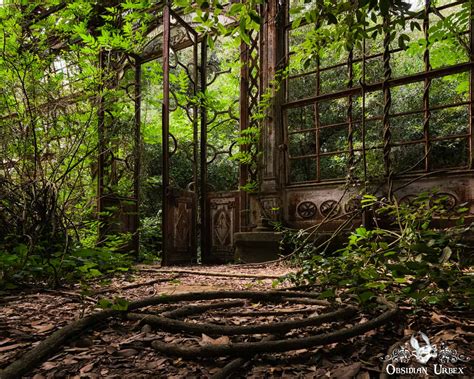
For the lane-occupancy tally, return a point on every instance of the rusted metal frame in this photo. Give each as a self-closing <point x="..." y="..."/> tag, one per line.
<point x="408" y="176"/>
<point x="435" y="73"/>
<point x="336" y="152"/>
<point x="435" y="108"/>
<point x="205" y="245"/>
<point x="426" y="89"/>
<point x="283" y="112"/>
<point x="323" y="154"/>
<point x="443" y="7"/>
<point x="177" y="47"/>
<point x="387" y="135"/>
<point x="195" y="123"/>
<point x="378" y="118"/>
<point x="183" y="23"/>
<point x="350" y="134"/>
<point x="280" y="96"/>
<point x="243" y="125"/>
<point x="376" y="147"/>
<point x="450" y="5"/>
<point x="446" y="106"/>
<point x="443" y="138"/>
<point x="471" y="91"/>
<point x="355" y="60"/>
<point x="166" y="208"/>
<point x="363" y="124"/>
<point x="102" y="152"/>
<point x="292" y="132"/>
<point x="137" y="154"/>
<point x="318" y="122"/>
<point x="254" y="92"/>
<point x="186" y="70"/>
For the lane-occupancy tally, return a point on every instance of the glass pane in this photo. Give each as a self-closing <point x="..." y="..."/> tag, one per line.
<point x="374" y="46"/>
<point x="374" y="104"/>
<point x="417" y="5"/>
<point x="448" y="48"/>
<point x="301" y="87"/>
<point x="333" y="111"/>
<point x="333" y="166"/>
<point x="334" y="79"/>
<point x="375" y="164"/>
<point x="449" y="121"/>
<point x="302" y="144"/>
<point x="404" y="63"/>
<point x="295" y="5"/>
<point x="302" y="170"/>
<point x="333" y="139"/>
<point x="373" y="133"/>
<point x="450" y="89"/>
<point x="407" y="158"/>
<point x="333" y="55"/>
<point x="374" y="70"/>
<point x="295" y="38"/>
<point x="356" y="108"/>
<point x="407" y="98"/>
<point x="301" y="118"/>
<point x="450" y="153"/>
<point x="407" y="128"/>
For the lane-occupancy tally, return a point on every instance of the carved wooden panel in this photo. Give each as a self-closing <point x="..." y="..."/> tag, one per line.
<point x="223" y="223"/>
<point x="182" y="246"/>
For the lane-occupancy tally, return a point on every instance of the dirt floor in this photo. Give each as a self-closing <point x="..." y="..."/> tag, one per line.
<point x="120" y="348"/>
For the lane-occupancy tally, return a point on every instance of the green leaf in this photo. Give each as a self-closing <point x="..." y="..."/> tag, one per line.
<point x="366" y="296"/>
<point x="104" y="304"/>
<point x="384" y="7"/>
<point x="120" y="304"/>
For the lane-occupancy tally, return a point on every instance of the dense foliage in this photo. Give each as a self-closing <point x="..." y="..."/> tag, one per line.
<point x="52" y="87"/>
<point x="406" y="253"/>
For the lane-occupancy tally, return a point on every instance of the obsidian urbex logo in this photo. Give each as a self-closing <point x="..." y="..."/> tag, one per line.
<point x="443" y="360"/>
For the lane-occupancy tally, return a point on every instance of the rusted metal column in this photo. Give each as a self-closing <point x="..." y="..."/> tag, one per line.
<point x="203" y="182"/>
<point x="165" y="120"/>
<point x="244" y="124"/>
<point x="137" y="155"/>
<point x="318" y="120"/>
<point x="272" y="59"/>
<point x="387" y="135"/>
<point x="350" y="134"/>
<point x="471" y="90"/>
<point x="363" y="128"/>
<point x="427" y="85"/>
<point x="195" y="111"/>
<point x="102" y="152"/>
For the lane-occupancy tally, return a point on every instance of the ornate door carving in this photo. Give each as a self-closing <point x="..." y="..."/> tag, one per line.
<point x="182" y="231"/>
<point x="223" y="221"/>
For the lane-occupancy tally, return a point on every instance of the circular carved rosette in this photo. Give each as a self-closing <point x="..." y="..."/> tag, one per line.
<point x="407" y="200"/>
<point x="444" y="200"/>
<point x="330" y="208"/>
<point x="306" y="209"/>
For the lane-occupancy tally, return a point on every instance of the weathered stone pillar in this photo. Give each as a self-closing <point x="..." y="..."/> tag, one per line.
<point x="272" y="52"/>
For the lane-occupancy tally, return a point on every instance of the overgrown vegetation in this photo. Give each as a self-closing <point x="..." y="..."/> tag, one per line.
<point x="407" y="253"/>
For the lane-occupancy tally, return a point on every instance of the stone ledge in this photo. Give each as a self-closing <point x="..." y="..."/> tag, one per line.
<point x="255" y="247"/>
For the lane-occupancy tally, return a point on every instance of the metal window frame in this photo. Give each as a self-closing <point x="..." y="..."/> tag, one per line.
<point x="426" y="76"/>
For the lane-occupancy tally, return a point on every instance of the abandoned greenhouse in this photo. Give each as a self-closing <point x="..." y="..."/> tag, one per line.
<point x="311" y="160"/>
